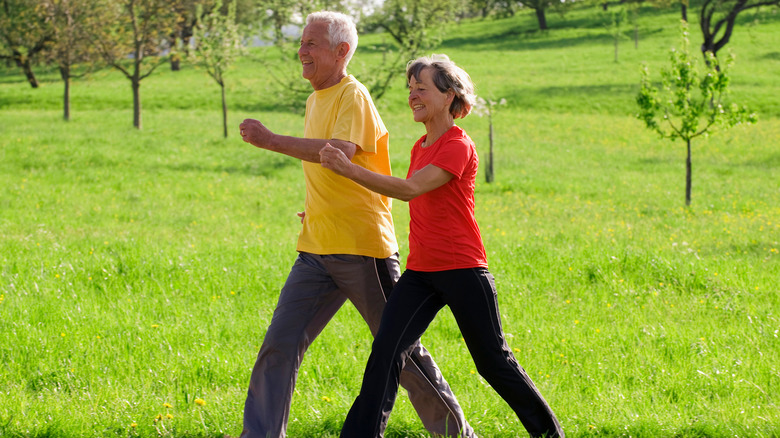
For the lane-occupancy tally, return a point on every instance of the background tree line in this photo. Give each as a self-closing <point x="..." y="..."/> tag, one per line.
<point x="136" y="37"/>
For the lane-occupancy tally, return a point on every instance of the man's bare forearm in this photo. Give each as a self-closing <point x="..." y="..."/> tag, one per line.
<point x="307" y="149"/>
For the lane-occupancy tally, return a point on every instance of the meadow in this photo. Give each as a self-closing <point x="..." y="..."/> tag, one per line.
<point x="139" y="268"/>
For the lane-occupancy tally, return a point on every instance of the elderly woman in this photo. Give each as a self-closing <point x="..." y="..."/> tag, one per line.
<point x="446" y="265"/>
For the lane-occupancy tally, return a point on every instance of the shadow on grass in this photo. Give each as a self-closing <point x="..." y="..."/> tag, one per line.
<point x="266" y="169"/>
<point x="772" y="56"/>
<point x="769" y="162"/>
<point x="583" y="96"/>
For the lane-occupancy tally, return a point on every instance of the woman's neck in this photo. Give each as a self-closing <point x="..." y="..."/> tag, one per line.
<point x="435" y="130"/>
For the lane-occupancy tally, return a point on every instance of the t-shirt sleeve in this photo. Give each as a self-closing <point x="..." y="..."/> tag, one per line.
<point x="453" y="156"/>
<point x="357" y="122"/>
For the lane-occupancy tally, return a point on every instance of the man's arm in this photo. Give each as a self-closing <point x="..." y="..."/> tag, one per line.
<point x="307" y="149"/>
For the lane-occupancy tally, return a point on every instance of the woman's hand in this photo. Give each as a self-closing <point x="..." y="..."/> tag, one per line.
<point x="335" y="160"/>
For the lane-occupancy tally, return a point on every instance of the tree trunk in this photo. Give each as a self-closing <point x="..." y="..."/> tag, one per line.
<point x="175" y="58"/>
<point x="224" y="110"/>
<point x="684" y="10"/>
<point x="541" y="18"/>
<point x="489" y="176"/>
<point x="65" y="74"/>
<point x="636" y="36"/>
<point x="617" y="37"/>
<point x="688" y="178"/>
<point x="136" y="84"/>
<point x="24" y="63"/>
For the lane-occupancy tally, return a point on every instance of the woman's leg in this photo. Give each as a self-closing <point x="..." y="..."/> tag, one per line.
<point x="409" y="310"/>
<point x="367" y="283"/>
<point x="471" y="295"/>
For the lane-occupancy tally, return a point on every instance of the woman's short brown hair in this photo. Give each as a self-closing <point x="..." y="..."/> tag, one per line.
<point x="446" y="76"/>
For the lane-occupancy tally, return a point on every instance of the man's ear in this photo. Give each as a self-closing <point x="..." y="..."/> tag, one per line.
<point x="342" y="49"/>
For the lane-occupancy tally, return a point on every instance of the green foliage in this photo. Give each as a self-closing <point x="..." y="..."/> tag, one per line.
<point x="616" y="19"/>
<point x="718" y="20"/>
<point x="689" y="96"/>
<point x="24" y="33"/>
<point x="22" y="26"/>
<point x="135" y="29"/>
<point x="159" y="253"/>
<point x="218" y="44"/>
<point x="691" y="101"/>
<point x="415" y="27"/>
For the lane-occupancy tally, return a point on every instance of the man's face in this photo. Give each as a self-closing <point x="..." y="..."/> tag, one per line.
<point x="318" y="60"/>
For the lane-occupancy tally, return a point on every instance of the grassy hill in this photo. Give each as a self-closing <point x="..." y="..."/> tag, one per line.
<point x="139" y="269"/>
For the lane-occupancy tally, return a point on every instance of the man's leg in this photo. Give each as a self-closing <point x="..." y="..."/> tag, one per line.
<point x="308" y="300"/>
<point x="367" y="282"/>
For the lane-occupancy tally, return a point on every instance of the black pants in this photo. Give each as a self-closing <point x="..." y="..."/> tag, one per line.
<point x="415" y="301"/>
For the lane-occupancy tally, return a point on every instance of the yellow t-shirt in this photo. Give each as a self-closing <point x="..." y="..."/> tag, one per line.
<point x="343" y="217"/>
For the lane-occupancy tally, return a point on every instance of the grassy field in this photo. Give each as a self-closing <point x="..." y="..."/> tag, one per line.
<point x="139" y="269"/>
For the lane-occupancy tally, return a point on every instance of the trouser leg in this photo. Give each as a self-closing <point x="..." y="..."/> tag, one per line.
<point x="308" y="300"/>
<point x="408" y="312"/>
<point x="471" y="295"/>
<point x="428" y="391"/>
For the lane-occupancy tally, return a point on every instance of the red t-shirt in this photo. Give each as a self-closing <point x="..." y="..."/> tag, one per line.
<point x="443" y="233"/>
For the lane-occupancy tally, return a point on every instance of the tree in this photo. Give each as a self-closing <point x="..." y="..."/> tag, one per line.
<point x="191" y="12"/>
<point x="616" y="19"/>
<point x="280" y="13"/>
<point x="691" y="101"/>
<point x="415" y="26"/>
<point x="138" y="29"/>
<point x="69" y="20"/>
<point x="487" y="107"/>
<point x="718" y="18"/>
<point x="218" y="43"/>
<point x="24" y="33"/>
<point x="187" y="12"/>
<point x="540" y="7"/>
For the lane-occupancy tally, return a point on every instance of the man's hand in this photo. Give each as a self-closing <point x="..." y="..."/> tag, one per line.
<point x="335" y="160"/>
<point x="255" y="133"/>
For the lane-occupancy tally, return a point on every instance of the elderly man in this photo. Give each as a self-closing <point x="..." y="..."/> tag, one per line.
<point x="347" y="247"/>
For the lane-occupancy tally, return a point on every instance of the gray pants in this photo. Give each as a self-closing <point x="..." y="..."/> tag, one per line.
<point x="318" y="285"/>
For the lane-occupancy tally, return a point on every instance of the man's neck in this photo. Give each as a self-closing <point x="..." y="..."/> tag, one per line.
<point x="331" y="81"/>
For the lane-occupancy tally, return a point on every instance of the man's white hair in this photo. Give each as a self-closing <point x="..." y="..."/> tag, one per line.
<point x="341" y="29"/>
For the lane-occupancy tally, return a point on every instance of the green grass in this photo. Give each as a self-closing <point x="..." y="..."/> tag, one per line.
<point x="139" y="269"/>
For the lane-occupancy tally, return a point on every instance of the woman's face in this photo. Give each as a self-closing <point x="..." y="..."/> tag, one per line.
<point x="425" y="100"/>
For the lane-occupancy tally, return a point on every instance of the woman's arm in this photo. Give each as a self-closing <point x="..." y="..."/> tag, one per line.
<point x="426" y="179"/>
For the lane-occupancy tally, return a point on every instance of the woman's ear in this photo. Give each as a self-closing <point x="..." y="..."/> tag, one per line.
<point x="450" y="96"/>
